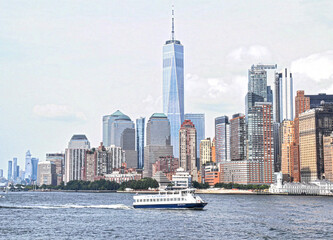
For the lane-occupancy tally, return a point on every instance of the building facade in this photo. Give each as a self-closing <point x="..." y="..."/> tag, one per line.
<point x="75" y="157"/>
<point x="173" y="87"/>
<point x="314" y="124"/>
<point x="168" y="165"/>
<point x="158" y="141"/>
<point x="238" y="137"/>
<point x="127" y="143"/>
<point x="140" y="141"/>
<point x="222" y="139"/>
<point x="59" y="160"/>
<point x="287" y="149"/>
<point x="198" y="119"/>
<point x="188" y="146"/>
<point x="260" y="140"/>
<point x="302" y="104"/>
<point x="46" y="173"/>
<point x="328" y="157"/>
<point x="205" y="151"/>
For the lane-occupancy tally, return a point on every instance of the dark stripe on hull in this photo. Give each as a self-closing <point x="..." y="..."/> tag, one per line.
<point x="187" y="205"/>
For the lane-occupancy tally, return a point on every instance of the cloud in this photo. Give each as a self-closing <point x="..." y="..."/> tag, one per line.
<point x="220" y="95"/>
<point x="253" y="53"/>
<point x="58" y="112"/>
<point x="317" y="66"/>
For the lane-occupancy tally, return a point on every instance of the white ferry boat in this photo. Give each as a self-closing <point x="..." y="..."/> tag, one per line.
<point x="183" y="198"/>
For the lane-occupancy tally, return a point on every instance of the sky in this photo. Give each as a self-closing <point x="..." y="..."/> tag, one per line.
<point x="64" y="64"/>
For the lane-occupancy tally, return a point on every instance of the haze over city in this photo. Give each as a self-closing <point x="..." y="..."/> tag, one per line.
<point x="66" y="64"/>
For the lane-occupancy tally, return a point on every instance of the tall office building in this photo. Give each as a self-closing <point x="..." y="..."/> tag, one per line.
<point x="238" y="137"/>
<point x="314" y="124"/>
<point x="140" y="141"/>
<point x="59" y="160"/>
<point x="260" y="141"/>
<point x="302" y="104"/>
<point x="198" y="119"/>
<point x="173" y="86"/>
<point x="1" y="173"/>
<point x="14" y="168"/>
<point x="287" y="149"/>
<point x="205" y="151"/>
<point x="188" y="146"/>
<point x="28" y="166"/>
<point x="328" y="157"/>
<point x="127" y="143"/>
<point x="34" y="163"/>
<point x="158" y="141"/>
<point x="284" y="109"/>
<point x="222" y="139"/>
<point x="269" y="94"/>
<point x="10" y="170"/>
<point x="75" y="157"/>
<point x="46" y="173"/>
<point x="113" y="126"/>
<point x="316" y="100"/>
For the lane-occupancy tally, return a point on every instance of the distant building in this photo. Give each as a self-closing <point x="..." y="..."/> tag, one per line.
<point x="158" y="141"/>
<point x="198" y="119"/>
<point x="119" y="177"/>
<point x="173" y="87"/>
<point x="288" y="149"/>
<point x="140" y="141"/>
<point x="328" y="157"/>
<point x="46" y="173"/>
<point x="75" y="157"/>
<point x="222" y="139"/>
<point x="59" y="160"/>
<point x="28" y="166"/>
<point x="182" y="179"/>
<point x="213" y="151"/>
<point x="1" y="173"/>
<point x="269" y="94"/>
<point x="90" y="165"/>
<point x="313" y="125"/>
<point x="10" y="170"/>
<point x="34" y="162"/>
<point x="316" y="100"/>
<point x="205" y="151"/>
<point x="302" y="104"/>
<point x="212" y="174"/>
<point x="238" y="137"/>
<point x="188" y="146"/>
<point x="14" y="169"/>
<point x="260" y="140"/>
<point x="113" y="126"/>
<point x="127" y="143"/>
<point x="167" y="164"/>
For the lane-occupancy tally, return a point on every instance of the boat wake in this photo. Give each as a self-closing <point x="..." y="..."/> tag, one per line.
<point x="67" y="206"/>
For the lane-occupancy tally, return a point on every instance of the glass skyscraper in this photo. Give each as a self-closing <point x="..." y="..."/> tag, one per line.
<point x="140" y="141"/>
<point x="173" y="86"/>
<point x="10" y="170"/>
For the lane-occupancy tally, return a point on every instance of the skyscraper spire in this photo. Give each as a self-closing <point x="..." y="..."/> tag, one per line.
<point x="173" y="25"/>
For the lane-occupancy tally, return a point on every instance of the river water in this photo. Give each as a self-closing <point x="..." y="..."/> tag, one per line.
<point x="70" y="215"/>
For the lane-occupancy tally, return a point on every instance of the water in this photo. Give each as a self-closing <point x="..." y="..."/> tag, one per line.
<point x="60" y="215"/>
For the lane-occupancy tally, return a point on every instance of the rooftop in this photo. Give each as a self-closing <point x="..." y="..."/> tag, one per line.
<point x="79" y="137"/>
<point x="120" y="116"/>
<point x="158" y="115"/>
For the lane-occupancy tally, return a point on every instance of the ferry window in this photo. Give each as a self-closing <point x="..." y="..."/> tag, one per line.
<point x="178" y="199"/>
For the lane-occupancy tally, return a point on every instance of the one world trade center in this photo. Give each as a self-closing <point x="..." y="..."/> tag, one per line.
<point x="173" y="86"/>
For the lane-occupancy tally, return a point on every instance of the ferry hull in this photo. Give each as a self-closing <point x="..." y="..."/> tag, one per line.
<point x="196" y="206"/>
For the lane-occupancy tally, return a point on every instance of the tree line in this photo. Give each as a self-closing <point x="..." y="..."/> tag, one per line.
<point x="102" y="184"/>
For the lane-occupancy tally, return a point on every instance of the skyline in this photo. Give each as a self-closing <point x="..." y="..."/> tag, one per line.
<point x="70" y="74"/>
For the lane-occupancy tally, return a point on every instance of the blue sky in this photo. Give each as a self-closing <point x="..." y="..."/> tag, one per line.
<point x="65" y="64"/>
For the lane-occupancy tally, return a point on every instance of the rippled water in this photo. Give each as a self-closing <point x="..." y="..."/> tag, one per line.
<point x="53" y="215"/>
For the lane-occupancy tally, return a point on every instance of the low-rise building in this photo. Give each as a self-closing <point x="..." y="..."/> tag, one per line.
<point x="317" y="187"/>
<point x="119" y="177"/>
<point x="182" y="179"/>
